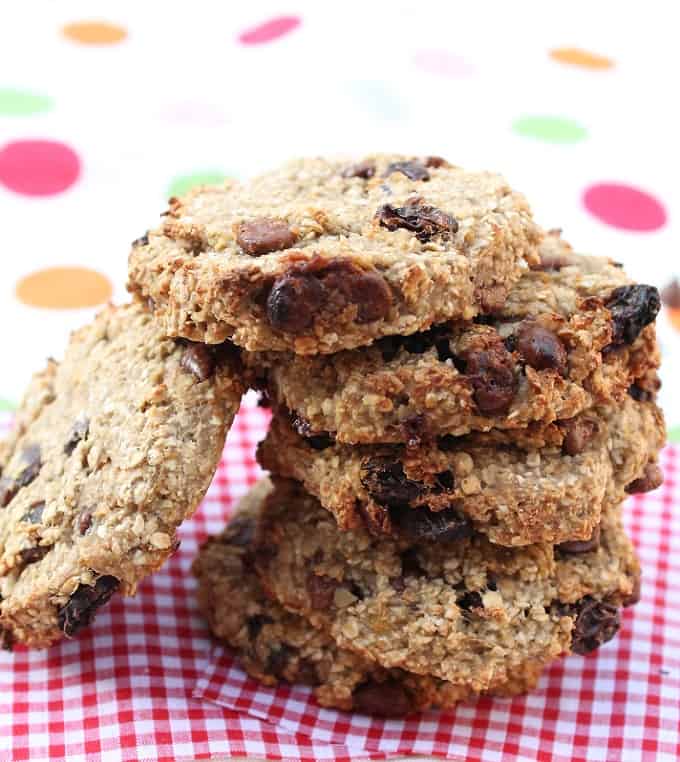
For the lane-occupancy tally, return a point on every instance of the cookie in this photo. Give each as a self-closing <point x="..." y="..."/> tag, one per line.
<point x="324" y="255"/>
<point x="517" y="487"/>
<point x="465" y="611"/>
<point x="275" y="645"/>
<point x="112" y="448"/>
<point x="573" y="334"/>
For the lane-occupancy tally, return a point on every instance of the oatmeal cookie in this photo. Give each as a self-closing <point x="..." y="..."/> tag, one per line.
<point x="466" y="611"/>
<point x="112" y="448"/>
<point x="273" y="644"/>
<point x="518" y="487"/>
<point x="572" y="334"/>
<point x="322" y="255"/>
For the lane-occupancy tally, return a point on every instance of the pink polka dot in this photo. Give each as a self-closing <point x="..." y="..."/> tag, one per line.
<point x="269" y="30"/>
<point x="442" y="63"/>
<point x="625" y="207"/>
<point x="38" y="167"/>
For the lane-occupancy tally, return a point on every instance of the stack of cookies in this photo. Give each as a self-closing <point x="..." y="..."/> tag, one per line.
<point x="460" y="405"/>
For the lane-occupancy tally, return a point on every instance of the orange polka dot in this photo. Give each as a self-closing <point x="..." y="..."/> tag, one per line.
<point x="582" y="58"/>
<point x="64" y="288"/>
<point x="94" y="32"/>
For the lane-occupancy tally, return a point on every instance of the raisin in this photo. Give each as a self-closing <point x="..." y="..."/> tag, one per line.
<point x="596" y="623"/>
<point x="321" y="590"/>
<point x="8" y="489"/>
<point x="255" y="624"/>
<point x="84" y="521"/>
<point x="639" y="394"/>
<point x="422" y="219"/>
<point x="34" y="554"/>
<point x="541" y="348"/>
<point x="470" y="600"/>
<point x="363" y="169"/>
<point x="632" y="308"/>
<point x="79" y="431"/>
<point x="293" y="302"/>
<point x="385" y="481"/>
<point x="81" y="607"/>
<point x="265" y="235"/>
<point x="651" y="478"/>
<point x="388" y="699"/>
<point x="422" y="524"/>
<point x="578" y="433"/>
<point x="31" y="456"/>
<point x="576" y="547"/>
<point x="199" y="360"/>
<point x="491" y="372"/>
<point x="414" y="169"/>
<point x="435" y="162"/>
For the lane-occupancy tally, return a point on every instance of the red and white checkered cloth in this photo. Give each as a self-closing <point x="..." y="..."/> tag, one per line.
<point x="146" y="683"/>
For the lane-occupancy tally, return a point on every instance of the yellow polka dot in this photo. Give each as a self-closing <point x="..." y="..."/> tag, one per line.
<point x="94" y="32"/>
<point x="64" y="288"/>
<point x="583" y="58"/>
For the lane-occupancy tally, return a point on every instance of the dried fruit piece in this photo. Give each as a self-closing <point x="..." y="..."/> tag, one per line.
<point x="199" y="360"/>
<point x="596" y="623"/>
<point x="491" y="371"/>
<point x="293" y="302"/>
<point x="8" y="489"/>
<point x="422" y="219"/>
<point x="81" y="607"/>
<point x="438" y="526"/>
<point x="578" y="433"/>
<point x="31" y="456"/>
<point x="541" y="348"/>
<point x="576" y="547"/>
<point x="414" y="169"/>
<point x="79" y="431"/>
<point x="34" y="554"/>
<point x="385" y="481"/>
<point x="255" y="624"/>
<point x="388" y="699"/>
<point x="321" y="590"/>
<point x="632" y="308"/>
<point x="651" y="478"/>
<point x="470" y="600"/>
<point x="363" y="169"/>
<point x="264" y="235"/>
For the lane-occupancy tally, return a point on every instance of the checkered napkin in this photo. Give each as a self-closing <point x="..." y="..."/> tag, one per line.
<point x="146" y="683"/>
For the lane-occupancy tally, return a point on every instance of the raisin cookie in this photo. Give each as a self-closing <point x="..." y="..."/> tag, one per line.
<point x="464" y="611"/>
<point x="572" y="334"/>
<point x="518" y="487"/>
<point x="273" y="644"/>
<point x="111" y="450"/>
<point x="321" y="255"/>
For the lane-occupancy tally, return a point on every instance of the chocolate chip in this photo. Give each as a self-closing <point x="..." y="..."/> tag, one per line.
<point x="34" y="554"/>
<point x="84" y="521"/>
<point x="414" y="170"/>
<point x="293" y="302"/>
<point x="279" y="659"/>
<point x="639" y="394"/>
<point x="321" y="590"/>
<point x="256" y="623"/>
<point x="199" y="360"/>
<point x="576" y="547"/>
<point x="363" y="169"/>
<point x="372" y="296"/>
<point x="596" y="623"/>
<point x="470" y="600"/>
<point x="82" y="606"/>
<point x="241" y="531"/>
<point x="541" y="348"/>
<point x="142" y="241"/>
<point x="388" y="699"/>
<point x="670" y="295"/>
<point x="632" y="308"/>
<point x="8" y="489"/>
<point x="265" y="235"/>
<point x="651" y="478"/>
<point x="31" y="456"/>
<point x="35" y="512"/>
<point x="438" y="526"/>
<point x="422" y="219"/>
<point x="79" y="431"/>
<point x="436" y="162"/>
<point x="385" y="481"/>
<point x="491" y="372"/>
<point x="578" y="433"/>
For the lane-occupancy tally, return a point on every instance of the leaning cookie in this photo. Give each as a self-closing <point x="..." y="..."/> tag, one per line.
<point x="572" y="334"/>
<point x="273" y="644"/>
<point x="323" y="255"/>
<point x="465" y="611"/>
<point x="112" y="448"/>
<point x="547" y="484"/>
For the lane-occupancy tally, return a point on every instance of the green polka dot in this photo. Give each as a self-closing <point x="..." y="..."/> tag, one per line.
<point x="6" y="405"/>
<point x="22" y="103"/>
<point x="550" y="129"/>
<point x="674" y="434"/>
<point x="183" y="183"/>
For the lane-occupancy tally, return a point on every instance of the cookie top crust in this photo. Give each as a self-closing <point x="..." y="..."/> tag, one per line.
<point x="469" y="613"/>
<point x="572" y="334"/>
<point x="111" y="449"/>
<point x="323" y="255"/>
<point x="547" y="484"/>
<point x="275" y="645"/>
